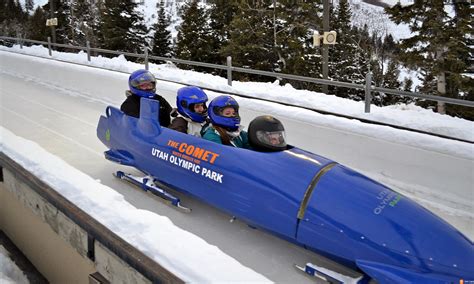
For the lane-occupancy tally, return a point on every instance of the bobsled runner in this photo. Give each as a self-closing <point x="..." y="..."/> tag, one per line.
<point x="299" y="196"/>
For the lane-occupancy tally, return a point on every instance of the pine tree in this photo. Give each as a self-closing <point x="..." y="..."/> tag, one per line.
<point x="458" y="59"/>
<point x="29" y="6"/>
<point x="122" y="27"/>
<point x="13" y="19"/>
<point x="437" y="44"/>
<point x="84" y="22"/>
<point x="293" y="23"/>
<point x="408" y="84"/>
<point x="349" y="61"/>
<point x="221" y="13"/>
<point x="3" y="7"/>
<point x="162" y="37"/>
<point x="391" y="82"/>
<point x="407" y="87"/>
<point x="37" y="29"/>
<point x="193" y="35"/>
<point x="251" y="44"/>
<point x="62" y="11"/>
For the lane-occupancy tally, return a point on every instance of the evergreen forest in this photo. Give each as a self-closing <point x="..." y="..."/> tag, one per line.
<point x="277" y="36"/>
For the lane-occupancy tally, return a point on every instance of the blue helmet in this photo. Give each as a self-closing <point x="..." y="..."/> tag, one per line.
<point x="217" y="105"/>
<point x="186" y="99"/>
<point x="142" y="83"/>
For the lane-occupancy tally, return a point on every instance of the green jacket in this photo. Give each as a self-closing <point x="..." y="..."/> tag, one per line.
<point x="241" y="141"/>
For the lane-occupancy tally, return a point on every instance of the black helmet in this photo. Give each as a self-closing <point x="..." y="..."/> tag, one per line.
<point x="266" y="133"/>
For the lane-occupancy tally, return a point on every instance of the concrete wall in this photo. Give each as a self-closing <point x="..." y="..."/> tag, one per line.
<point x="53" y="242"/>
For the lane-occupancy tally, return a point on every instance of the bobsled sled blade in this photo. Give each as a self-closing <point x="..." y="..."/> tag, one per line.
<point x="311" y="272"/>
<point x="182" y="208"/>
<point x="147" y="183"/>
<point x="327" y="274"/>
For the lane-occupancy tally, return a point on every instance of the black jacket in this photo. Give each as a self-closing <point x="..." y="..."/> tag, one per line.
<point x="131" y="106"/>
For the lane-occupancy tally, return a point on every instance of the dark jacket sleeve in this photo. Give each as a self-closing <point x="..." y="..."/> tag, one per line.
<point x="165" y="111"/>
<point x="179" y="124"/>
<point x="131" y="106"/>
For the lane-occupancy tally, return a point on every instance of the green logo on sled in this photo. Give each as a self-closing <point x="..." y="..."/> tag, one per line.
<point x="107" y="135"/>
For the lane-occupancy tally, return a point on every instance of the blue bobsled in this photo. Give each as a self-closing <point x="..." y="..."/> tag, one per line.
<point x="299" y="196"/>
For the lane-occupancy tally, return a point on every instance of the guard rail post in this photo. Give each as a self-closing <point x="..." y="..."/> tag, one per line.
<point x="49" y="46"/>
<point x="146" y="58"/>
<point x="88" y="48"/>
<point x="368" y="95"/>
<point x="21" y="43"/>
<point x="229" y="70"/>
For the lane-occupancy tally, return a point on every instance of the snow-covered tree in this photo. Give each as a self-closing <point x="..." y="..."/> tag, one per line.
<point x="390" y="81"/>
<point x="29" y="6"/>
<point x="123" y="27"/>
<point x="221" y="13"/>
<point x="37" y="29"/>
<point x="273" y="36"/>
<point x="12" y="19"/>
<point x="62" y="11"/>
<point x="293" y="23"/>
<point x="162" y="37"/>
<point x="84" y="22"/>
<point x="251" y="41"/>
<point x="349" y="61"/>
<point x="437" y="44"/>
<point x="193" y="35"/>
<point x="408" y="85"/>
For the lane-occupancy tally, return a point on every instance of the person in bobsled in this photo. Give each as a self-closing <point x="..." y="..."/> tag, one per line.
<point x="191" y="112"/>
<point x="225" y="123"/>
<point x="142" y="83"/>
<point x="267" y="134"/>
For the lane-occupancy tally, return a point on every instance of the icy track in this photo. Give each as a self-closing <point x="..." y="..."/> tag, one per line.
<point x="57" y="105"/>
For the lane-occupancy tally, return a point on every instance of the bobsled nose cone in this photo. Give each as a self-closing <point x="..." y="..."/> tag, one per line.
<point x="384" y="273"/>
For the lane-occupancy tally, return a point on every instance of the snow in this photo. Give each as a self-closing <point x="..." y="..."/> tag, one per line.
<point x="149" y="8"/>
<point x="394" y="2"/>
<point x="376" y="19"/>
<point x="410" y="115"/>
<point x="9" y="272"/>
<point x="151" y="233"/>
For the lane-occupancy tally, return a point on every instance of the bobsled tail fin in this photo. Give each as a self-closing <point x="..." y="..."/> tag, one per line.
<point x="103" y="132"/>
<point x="383" y="273"/>
<point x="148" y="123"/>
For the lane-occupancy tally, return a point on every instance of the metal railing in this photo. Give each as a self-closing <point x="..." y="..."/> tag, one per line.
<point x="368" y="87"/>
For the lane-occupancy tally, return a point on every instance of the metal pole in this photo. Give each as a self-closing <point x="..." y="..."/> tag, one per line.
<point x="53" y="28"/>
<point x="146" y="58"/>
<point x="88" y="46"/>
<point x="325" y="46"/>
<point x="368" y="95"/>
<point x="49" y="46"/>
<point x="441" y="83"/>
<point x="229" y="70"/>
